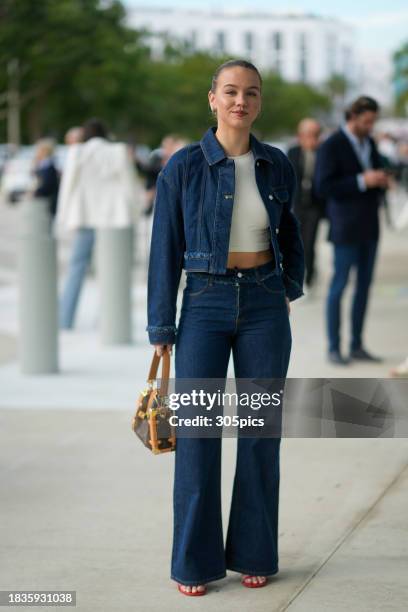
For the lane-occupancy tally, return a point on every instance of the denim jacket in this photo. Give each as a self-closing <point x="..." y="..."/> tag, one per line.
<point x="192" y="222"/>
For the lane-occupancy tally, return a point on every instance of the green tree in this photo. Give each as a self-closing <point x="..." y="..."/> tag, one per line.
<point x="74" y="57"/>
<point x="175" y="98"/>
<point x="78" y="58"/>
<point x="285" y="104"/>
<point x="336" y="88"/>
<point x="400" y="59"/>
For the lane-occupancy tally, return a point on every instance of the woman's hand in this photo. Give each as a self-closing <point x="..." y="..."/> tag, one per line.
<point x="161" y="348"/>
<point x="288" y="304"/>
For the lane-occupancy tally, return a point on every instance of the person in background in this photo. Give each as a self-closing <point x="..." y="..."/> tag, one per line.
<point x="308" y="207"/>
<point x="157" y="159"/>
<point x="93" y="131"/>
<point x="98" y="189"/>
<point x="150" y="170"/>
<point x="74" y="135"/>
<point x="47" y="177"/>
<point x="349" y="176"/>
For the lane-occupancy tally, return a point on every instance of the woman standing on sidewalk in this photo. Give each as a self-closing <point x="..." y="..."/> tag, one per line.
<point x="223" y="212"/>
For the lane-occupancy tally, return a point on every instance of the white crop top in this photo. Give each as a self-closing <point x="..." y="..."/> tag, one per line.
<point x="250" y="221"/>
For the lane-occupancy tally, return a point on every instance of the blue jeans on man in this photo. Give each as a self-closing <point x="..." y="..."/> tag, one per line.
<point x="80" y="259"/>
<point x="360" y="256"/>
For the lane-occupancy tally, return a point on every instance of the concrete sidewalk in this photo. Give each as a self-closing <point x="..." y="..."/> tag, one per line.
<point x="93" y="376"/>
<point x="85" y="507"/>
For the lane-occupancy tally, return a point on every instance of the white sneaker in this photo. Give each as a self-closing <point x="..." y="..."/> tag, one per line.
<point x="401" y="371"/>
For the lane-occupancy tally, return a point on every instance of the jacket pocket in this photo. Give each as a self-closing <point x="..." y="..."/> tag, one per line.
<point x="281" y="194"/>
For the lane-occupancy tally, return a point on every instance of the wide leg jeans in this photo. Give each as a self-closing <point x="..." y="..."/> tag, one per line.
<point x="243" y="311"/>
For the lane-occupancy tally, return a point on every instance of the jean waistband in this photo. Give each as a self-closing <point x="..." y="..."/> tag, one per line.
<point x="253" y="274"/>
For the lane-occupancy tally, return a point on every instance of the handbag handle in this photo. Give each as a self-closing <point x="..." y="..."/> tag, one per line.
<point x="165" y="371"/>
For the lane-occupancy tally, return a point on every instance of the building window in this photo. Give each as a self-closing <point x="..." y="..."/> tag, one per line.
<point x="193" y="40"/>
<point x="346" y="60"/>
<point x="220" y="42"/>
<point x="248" y="41"/>
<point x="331" y="54"/>
<point x="276" y="39"/>
<point x="302" y="56"/>
<point x="276" y="43"/>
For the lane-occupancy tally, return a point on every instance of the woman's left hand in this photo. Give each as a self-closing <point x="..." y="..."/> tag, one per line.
<point x="288" y="304"/>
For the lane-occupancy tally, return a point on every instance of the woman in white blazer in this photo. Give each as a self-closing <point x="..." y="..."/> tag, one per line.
<point x="99" y="189"/>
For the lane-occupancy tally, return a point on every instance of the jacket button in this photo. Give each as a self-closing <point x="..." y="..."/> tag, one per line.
<point x="277" y="230"/>
<point x="257" y="163"/>
<point x="239" y="274"/>
<point x="270" y="196"/>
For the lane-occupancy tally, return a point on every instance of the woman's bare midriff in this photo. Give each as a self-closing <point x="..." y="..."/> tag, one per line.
<point x="248" y="260"/>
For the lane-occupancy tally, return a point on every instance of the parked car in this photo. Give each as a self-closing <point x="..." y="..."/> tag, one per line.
<point x="17" y="176"/>
<point x="6" y="151"/>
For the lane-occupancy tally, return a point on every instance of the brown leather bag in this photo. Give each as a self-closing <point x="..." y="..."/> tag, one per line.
<point x="151" y="421"/>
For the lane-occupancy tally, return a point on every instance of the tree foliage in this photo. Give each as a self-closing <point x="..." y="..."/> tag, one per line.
<point x="79" y="58"/>
<point x="401" y="80"/>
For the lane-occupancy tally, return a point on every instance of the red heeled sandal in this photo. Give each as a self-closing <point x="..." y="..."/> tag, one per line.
<point x="253" y="585"/>
<point x="191" y="593"/>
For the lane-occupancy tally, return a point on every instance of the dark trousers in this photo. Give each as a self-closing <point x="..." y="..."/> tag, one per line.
<point x="347" y="256"/>
<point x="309" y="222"/>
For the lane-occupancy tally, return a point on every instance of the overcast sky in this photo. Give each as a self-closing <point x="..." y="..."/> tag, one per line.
<point x="382" y="26"/>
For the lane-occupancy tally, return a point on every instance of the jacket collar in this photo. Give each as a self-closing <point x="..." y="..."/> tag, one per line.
<point x="213" y="151"/>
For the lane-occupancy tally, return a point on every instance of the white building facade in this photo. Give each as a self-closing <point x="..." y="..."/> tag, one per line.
<point x="299" y="47"/>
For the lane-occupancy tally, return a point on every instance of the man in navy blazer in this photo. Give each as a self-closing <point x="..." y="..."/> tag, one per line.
<point x="349" y="177"/>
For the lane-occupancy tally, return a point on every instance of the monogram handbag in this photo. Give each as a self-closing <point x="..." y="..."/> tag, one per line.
<point x="151" y="420"/>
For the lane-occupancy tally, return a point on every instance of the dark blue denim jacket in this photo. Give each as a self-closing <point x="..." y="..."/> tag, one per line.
<point x="192" y="222"/>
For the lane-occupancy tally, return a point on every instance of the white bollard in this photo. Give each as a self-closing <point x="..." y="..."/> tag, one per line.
<point x="37" y="284"/>
<point x="114" y="258"/>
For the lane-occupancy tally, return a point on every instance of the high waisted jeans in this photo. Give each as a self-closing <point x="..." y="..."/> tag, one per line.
<point x="244" y="310"/>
